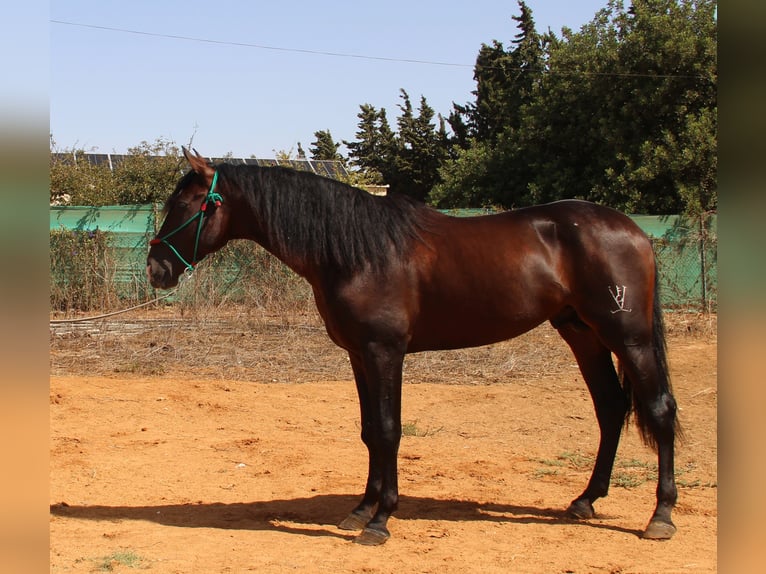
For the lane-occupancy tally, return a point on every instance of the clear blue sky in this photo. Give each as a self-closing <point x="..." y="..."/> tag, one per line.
<point x="263" y="81"/>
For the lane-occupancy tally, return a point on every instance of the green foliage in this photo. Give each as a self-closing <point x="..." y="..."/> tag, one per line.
<point x="505" y="81"/>
<point x="374" y="146"/>
<point x="419" y="152"/>
<point x="146" y="174"/>
<point x="466" y="178"/>
<point x="476" y="176"/>
<point x="149" y="172"/>
<point x="662" y="114"/>
<point x="75" y="181"/>
<point x="623" y="112"/>
<point x="494" y="166"/>
<point x="324" y="147"/>
<point x="408" y="160"/>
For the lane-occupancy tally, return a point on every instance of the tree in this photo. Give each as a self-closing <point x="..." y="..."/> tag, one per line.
<point x="670" y="152"/>
<point x="324" y="147"/>
<point x="505" y="81"/>
<point x="506" y="84"/>
<point x="624" y="114"/>
<point x="407" y="160"/>
<point x="467" y="178"/>
<point x="371" y="151"/>
<point x="643" y="77"/>
<point x="421" y="149"/>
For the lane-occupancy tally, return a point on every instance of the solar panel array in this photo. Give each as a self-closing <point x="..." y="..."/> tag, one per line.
<point x="326" y="168"/>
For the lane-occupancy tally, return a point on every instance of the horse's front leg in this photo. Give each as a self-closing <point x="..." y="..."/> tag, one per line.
<point x="378" y="376"/>
<point x="363" y="512"/>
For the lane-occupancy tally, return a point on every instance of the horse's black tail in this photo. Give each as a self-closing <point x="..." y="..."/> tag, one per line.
<point x="647" y="424"/>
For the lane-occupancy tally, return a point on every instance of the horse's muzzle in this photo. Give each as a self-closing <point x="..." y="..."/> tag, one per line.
<point x="160" y="275"/>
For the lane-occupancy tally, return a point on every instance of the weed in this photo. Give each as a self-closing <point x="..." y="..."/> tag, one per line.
<point x="411" y="429"/>
<point x="549" y="462"/>
<point x="627" y="479"/>
<point x="692" y="483"/>
<point x="82" y="270"/>
<point x="628" y="473"/>
<point x="576" y="460"/>
<point x="121" y="557"/>
<point x="634" y="463"/>
<point x="540" y="472"/>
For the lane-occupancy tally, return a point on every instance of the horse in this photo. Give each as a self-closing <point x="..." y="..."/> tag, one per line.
<point x="392" y="276"/>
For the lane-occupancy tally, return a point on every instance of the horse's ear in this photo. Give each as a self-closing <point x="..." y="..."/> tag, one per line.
<point x="198" y="163"/>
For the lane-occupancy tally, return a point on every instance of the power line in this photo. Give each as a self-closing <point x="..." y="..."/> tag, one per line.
<point x="376" y="58"/>
<point x="262" y="46"/>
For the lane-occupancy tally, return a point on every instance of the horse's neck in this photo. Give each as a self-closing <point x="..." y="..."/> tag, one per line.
<point x="260" y="229"/>
<point x="297" y="264"/>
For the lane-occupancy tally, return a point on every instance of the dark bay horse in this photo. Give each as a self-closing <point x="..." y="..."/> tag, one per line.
<point x="392" y="276"/>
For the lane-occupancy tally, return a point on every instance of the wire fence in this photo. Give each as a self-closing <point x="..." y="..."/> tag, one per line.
<point x="687" y="262"/>
<point x="96" y="271"/>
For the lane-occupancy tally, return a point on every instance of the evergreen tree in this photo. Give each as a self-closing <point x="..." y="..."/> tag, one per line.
<point x="324" y="147"/>
<point x="407" y="160"/>
<point x="506" y="84"/>
<point x="505" y="81"/>
<point x="421" y="150"/>
<point x="367" y="151"/>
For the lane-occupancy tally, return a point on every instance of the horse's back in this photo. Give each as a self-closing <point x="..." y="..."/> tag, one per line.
<point x="554" y="235"/>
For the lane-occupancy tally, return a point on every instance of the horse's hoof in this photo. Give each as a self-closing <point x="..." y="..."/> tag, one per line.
<point x="658" y="530"/>
<point x="372" y="537"/>
<point x="353" y="522"/>
<point x="581" y="509"/>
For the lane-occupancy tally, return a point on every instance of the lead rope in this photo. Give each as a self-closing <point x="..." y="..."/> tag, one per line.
<point x="211" y="197"/>
<point x="186" y="275"/>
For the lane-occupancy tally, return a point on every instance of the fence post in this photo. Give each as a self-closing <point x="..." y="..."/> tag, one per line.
<point x="703" y="267"/>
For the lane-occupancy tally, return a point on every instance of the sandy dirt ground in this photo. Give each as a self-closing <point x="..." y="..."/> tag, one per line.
<point x="160" y="463"/>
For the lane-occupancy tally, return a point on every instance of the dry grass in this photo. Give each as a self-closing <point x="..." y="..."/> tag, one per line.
<point x="290" y="346"/>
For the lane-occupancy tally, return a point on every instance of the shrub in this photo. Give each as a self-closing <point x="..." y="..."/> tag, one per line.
<point x="82" y="270"/>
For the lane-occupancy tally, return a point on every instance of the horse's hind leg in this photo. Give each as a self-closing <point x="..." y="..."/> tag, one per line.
<point x="655" y="408"/>
<point x="609" y="400"/>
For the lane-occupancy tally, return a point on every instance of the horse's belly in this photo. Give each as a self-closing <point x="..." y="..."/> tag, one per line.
<point x="458" y="331"/>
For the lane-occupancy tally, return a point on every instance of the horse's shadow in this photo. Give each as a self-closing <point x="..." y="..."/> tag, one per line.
<point x="324" y="511"/>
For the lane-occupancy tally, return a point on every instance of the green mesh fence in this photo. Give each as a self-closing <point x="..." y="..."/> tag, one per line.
<point x="687" y="260"/>
<point x="98" y="261"/>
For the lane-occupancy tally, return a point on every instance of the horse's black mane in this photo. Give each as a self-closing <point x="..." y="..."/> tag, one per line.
<point x="327" y="222"/>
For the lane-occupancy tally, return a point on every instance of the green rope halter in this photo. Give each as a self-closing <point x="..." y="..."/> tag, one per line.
<point x="211" y="197"/>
